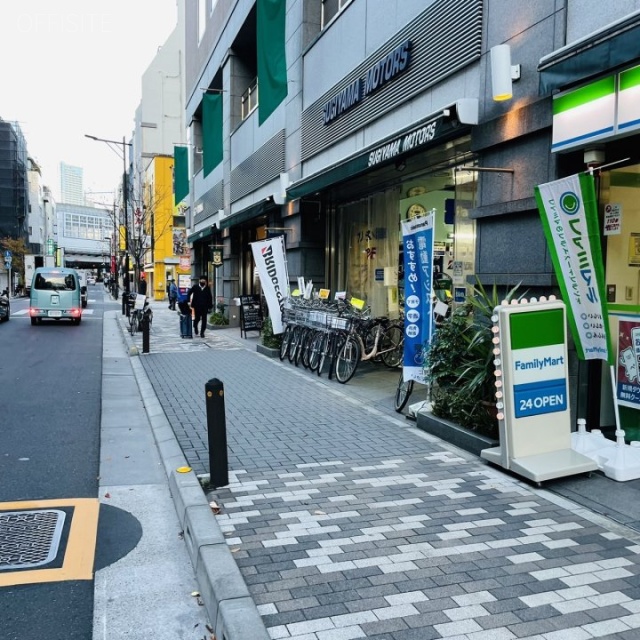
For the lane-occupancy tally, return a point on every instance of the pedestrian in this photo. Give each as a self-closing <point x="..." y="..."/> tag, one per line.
<point x="201" y="303"/>
<point x="142" y="285"/>
<point x="173" y="295"/>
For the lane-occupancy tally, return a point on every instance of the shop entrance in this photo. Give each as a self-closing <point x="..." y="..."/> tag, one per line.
<point x="620" y="208"/>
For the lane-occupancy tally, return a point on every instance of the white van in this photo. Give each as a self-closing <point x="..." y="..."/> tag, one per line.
<point x="55" y="295"/>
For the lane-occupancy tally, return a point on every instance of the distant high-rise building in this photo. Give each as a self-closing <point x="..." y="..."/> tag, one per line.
<point x="71" y="187"/>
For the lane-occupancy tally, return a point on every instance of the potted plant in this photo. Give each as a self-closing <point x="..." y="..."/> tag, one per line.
<point x="218" y="319"/>
<point x="460" y="363"/>
<point x="270" y="341"/>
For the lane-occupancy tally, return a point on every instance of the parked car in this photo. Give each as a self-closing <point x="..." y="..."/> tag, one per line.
<point x="5" y="307"/>
<point x="91" y="280"/>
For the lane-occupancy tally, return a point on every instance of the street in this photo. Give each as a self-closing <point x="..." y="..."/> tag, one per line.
<point x="50" y="389"/>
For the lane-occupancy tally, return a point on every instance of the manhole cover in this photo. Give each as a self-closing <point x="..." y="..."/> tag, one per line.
<point x="29" y="538"/>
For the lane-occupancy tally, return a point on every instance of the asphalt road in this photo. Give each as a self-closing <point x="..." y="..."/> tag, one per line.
<point x="50" y="402"/>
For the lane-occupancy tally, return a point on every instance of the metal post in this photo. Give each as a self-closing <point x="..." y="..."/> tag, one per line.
<point x="125" y="194"/>
<point x="144" y="322"/>
<point x="217" y="433"/>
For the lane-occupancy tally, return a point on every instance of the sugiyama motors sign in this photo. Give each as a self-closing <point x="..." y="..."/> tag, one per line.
<point x="380" y="73"/>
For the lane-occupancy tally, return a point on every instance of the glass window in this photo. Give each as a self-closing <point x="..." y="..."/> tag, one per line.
<point x="202" y="18"/>
<point x="55" y="282"/>
<point x="330" y="9"/>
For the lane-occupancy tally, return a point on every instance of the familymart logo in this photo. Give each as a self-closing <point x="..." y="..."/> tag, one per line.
<point x="569" y="203"/>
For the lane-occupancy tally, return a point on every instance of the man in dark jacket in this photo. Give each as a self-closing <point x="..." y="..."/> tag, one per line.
<point x="201" y="303"/>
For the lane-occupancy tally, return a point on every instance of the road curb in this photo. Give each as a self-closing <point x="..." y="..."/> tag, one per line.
<point x="223" y="590"/>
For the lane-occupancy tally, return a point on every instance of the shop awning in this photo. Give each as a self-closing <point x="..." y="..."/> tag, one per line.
<point x="200" y="235"/>
<point x="614" y="45"/>
<point x="246" y="214"/>
<point x="434" y="130"/>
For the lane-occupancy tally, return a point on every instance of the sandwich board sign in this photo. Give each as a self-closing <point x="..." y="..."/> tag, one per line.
<point x="532" y="392"/>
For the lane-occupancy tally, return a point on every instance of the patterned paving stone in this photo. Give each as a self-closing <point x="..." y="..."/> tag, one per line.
<point x="349" y="524"/>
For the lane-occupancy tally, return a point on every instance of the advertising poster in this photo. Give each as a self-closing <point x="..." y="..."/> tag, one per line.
<point x="569" y="216"/>
<point x="628" y="364"/>
<point x="418" y="276"/>
<point x="269" y="256"/>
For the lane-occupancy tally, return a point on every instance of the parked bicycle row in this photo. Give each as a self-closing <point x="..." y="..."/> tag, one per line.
<point x="335" y="337"/>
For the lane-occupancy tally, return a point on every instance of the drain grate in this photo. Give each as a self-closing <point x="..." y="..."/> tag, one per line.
<point x="29" y="538"/>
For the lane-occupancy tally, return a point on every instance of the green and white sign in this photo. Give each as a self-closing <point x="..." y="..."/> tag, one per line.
<point x="570" y="221"/>
<point x="606" y="108"/>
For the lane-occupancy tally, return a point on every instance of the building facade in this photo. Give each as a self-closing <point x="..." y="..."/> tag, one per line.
<point x="379" y="112"/>
<point x="71" y="184"/>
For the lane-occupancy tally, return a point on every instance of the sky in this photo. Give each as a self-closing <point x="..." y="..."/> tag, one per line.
<point x="74" y="67"/>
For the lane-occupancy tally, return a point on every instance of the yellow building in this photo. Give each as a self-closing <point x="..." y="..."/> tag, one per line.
<point x="166" y="255"/>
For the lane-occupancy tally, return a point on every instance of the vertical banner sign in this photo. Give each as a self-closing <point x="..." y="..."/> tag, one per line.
<point x="628" y="374"/>
<point x="417" y="236"/>
<point x="269" y="256"/>
<point x="570" y="220"/>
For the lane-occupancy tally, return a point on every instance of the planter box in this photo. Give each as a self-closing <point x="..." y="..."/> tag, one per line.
<point x="270" y="352"/>
<point x="450" y="432"/>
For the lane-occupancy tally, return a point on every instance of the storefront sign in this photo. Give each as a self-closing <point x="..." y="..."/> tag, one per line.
<point x="381" y="72"/>
<point x="407" y="142"/>
<point x="628" y="365"/>
<point x="602" y="109"/>
<point x="418" y="275"/>
<point x="269" y="256"/>
<point x="612" y="219"/>
<point x="570" y="220"/>
<point x="216" y="257"/>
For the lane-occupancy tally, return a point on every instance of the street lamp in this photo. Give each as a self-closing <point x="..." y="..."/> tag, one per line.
<point x="114" y="144"/>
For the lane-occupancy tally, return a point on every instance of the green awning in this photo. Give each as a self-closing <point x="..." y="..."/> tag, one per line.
<point x="246" y="214"/>
<point x="425" y="135"/>
<point x="614" y="45"/>
<point x="200" y="235"/>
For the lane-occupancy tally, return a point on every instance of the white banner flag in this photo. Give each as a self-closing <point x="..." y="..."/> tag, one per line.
<point x="269" y="256"/>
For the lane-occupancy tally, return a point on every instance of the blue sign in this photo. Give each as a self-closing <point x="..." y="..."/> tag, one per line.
<point x="379" y="274"/>
<point x="537" y="398"/>
<point x="459" y="294"/>
<point x="418" y="275"/>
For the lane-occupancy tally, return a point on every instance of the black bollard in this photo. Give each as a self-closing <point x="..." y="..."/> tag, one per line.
<point x="145" y="333"/>
<point x="217" y="433"/>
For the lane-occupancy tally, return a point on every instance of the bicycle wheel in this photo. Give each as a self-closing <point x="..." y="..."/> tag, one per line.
<point x="300" y="347"/>
<point x="293" y="345"/>
<point x="392" y="343"/>
<point x="336" y="343"/>
<point x="347" y="360"/>
<point x="403" y="391"/>
<point x="315" y="350"/>
<point x="324" y="350"/>
<point x="306" y="351"/>
<point x="133" y="319"/>
<point x="286" y="341"/>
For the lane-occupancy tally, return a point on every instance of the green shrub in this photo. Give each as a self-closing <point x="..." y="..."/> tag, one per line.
<point x="269" y="339"/>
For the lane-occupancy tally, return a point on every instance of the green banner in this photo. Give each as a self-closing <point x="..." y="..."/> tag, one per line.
<point x="272" y="61"/>
<point x="568" y="209"/>
<point x="180" y="173"/>
<point x="211" y="132"/>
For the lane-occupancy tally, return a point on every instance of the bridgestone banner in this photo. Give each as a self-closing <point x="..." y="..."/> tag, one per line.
<point x="570" y="220"/>
<point x="269" y="256"/>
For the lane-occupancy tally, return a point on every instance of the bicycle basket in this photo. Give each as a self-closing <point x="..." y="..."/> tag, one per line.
<point x="339" y="322"/>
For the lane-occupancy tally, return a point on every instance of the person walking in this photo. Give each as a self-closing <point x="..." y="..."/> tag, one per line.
<point x="173" y="295"/>
<point x="202" y="303"/>
<point x="142" y="285"/>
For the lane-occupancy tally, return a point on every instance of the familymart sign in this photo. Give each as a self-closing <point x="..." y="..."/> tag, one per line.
<point x="602" y="109"/>
<point x="570" y="221"/>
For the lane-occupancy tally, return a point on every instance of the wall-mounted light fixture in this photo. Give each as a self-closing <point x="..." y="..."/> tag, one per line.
<point x="503" y="73"/>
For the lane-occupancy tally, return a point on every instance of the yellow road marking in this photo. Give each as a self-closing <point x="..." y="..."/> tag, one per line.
<point x="81" y="543"/>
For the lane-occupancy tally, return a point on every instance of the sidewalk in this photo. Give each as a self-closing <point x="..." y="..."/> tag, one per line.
<point x="348" y="522"/>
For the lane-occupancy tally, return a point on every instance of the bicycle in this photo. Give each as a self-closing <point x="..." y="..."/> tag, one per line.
<point x="381" y="338"/>
<point x="137" y="314"/>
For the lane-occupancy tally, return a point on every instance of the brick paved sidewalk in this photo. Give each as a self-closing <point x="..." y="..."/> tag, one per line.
<point x="347" y="522"/>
